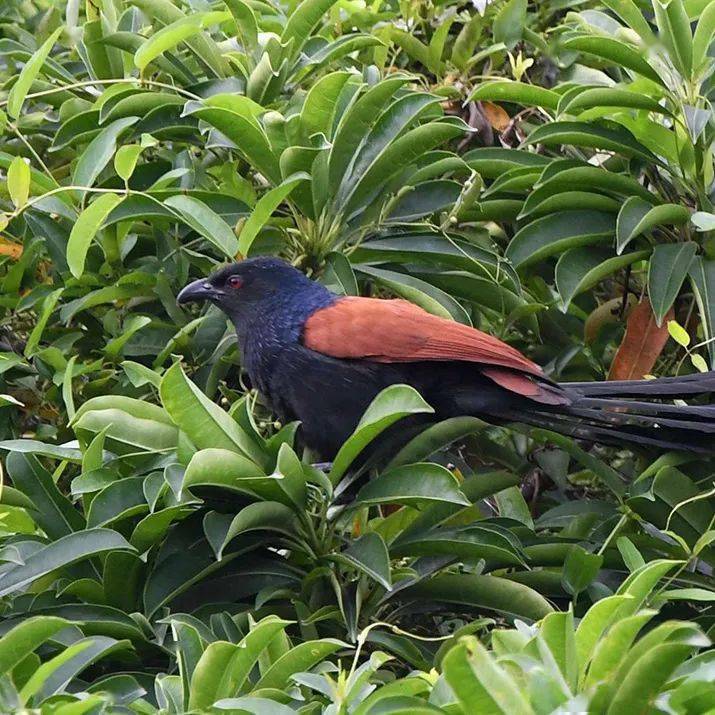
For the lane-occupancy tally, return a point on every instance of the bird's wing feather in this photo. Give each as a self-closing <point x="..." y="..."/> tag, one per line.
<point x="398" y="331"/>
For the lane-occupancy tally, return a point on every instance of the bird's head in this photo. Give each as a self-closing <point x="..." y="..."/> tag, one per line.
<point x="249" y="288"/>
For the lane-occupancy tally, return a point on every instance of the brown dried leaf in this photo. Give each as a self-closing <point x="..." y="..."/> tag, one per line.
<point x="496" y="116"/>
<point x="7" y="248"/>
<point x="641" y="345"/>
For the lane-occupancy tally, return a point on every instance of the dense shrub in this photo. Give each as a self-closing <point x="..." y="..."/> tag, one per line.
<point x="540" y="170"/>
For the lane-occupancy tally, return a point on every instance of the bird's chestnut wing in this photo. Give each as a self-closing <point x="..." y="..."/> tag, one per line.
<point x="398" y="331"/>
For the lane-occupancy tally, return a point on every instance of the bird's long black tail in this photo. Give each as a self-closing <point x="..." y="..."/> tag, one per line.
<point x="651" y="413"/>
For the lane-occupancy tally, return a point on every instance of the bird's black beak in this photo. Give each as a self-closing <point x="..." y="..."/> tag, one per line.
<point x="195" y="292"/>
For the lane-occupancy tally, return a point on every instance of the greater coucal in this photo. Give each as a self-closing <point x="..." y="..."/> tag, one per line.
<point x="321" y="358"/>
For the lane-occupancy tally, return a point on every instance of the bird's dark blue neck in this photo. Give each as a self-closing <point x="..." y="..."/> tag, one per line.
<point x="275" y="323"/>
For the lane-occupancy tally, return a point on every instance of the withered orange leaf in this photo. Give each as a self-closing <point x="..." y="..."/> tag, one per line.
<point x="8" y="248"/>
<point x="641" y="345"/>
<point x="496" y="116"/>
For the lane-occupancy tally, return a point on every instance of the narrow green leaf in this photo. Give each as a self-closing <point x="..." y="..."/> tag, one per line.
<point x="591" y="136"/>
<point x="18" y="181"/>
<point x="202" y="44"/>
<point x="170" y="36"/>
<point x="702" y="279"/>
<point x="615" y="51"/>
<point x="55" y="514"/>
<point x="392" y="404"/>
<point x="703" y="36"/>
<point x="554" y="234"/>
<point x="593" y="625"/>
<point x="263" y="210"/>
<point x="48" y="306"/>
<point x="29" y="73"/>
<point x="611" y="97"/>
<point x="413" y="484"/>
<point x="480" y="683"/>
<point x="206" y="222"/>
<point x="501" y="595"/>
<point x="206" y="424"/>
<point x="369" y="555"/>
<point x="299" y="659"/>
<point x="529" y="95"/>
<point x="629" y="12"/>
<point x="224" y="667"/>
<point x="302" y="21"/>
<point x="23" y="638"/>
<point x="125" y="160"/>
<point x="674" y="27"/>
<point x="99" y="151"/>
<point x="667" y="271"/>
<point x="246" y="23"/>
<point x="85" y="229"/>
<point x="581" y="268"/>
<point x="61" y="553"/>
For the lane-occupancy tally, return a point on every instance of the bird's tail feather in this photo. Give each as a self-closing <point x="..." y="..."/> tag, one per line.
<point x="673" y="387"/>
<point x="602" y="412"/>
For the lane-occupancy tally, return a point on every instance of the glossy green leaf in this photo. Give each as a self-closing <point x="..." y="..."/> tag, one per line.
<point x="674" y="30"/>
<point x="702" y="279"/>
<point x="54" y="675"/>
<point x="555" y="233"/>
<point x="246" y="23"/>
<point x="320" y="104"/>
<point x="580" y="569"/>
<point x="591" y="136"/>
<point x="224" y="667"/>
<point x="125" y="160"/>
<point x="483" y="592"/>
<point x="419" y="292"/>
<point x="18" y="181"/>
<point x="637" y="216"/>
<point x="368" y="554"/>
<point x="206" y="222"/>
<point x="99" y="152"/>
<point x="667" y="271"/>
<point x="392" y="404"/>
<point x="263" y="210"/>
<point x="48" y="306"/>
<point x="299" y="659"/>
<point x="206" y="424"/>
<point x="85" y="229"/>
<point x="302" y="21"/>
<point x="202" y="45"/>
<point x="59" y="554"/>
<point x="414" y="484"/>
<point x="593" y="625"/>
<point x="170" y="36"/>
<point x="598" y="97"/>
<point x="55" y="514"/>
<point x="520" y="92"/>
<point x="480" y="683"/>
<point x="579" y="269"/>
<point x="32" y="68"/>
<point x="703" y="36"/>
<point x="23" y="638"/>
<point x="615" y="51"/>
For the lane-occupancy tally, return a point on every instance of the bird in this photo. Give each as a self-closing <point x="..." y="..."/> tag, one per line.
<point x="321" y="358"/>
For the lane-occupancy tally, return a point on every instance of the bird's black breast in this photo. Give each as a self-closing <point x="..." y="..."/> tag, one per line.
<point x="328" y="396"/>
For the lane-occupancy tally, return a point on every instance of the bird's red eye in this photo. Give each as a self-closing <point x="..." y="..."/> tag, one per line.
<point x="235" y="281"/>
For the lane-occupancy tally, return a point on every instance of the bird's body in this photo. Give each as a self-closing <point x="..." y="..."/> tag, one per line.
<point x="321" y="359"/>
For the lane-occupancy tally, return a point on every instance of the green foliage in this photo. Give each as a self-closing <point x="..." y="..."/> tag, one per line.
<point x="165" y="545"/>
